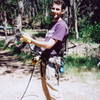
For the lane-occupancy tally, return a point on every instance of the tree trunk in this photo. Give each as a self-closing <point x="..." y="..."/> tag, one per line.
<point x="5" y="24"/>
<point x="46" y="13"/>
<point x="19" y="17"/>
<point x="75" y="18"/>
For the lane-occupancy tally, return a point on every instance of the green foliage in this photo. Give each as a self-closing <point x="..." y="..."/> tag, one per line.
<point x="45" y="22"/>
<point x="85" y="29"/>
<point x="24" y="56"/>
<point x="1" y="43"/>
<point x="82" y="63"/>
<point x="96" y="33"/>
<point x="89" y="32"/>
<point x="86" y="33"/>
<point x="13" y="1"/>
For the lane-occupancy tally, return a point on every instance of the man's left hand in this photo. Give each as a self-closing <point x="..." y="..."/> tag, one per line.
<point x="26" y="39"/>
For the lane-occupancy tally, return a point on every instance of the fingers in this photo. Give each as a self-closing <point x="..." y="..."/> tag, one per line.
<point x="25" y="39"/>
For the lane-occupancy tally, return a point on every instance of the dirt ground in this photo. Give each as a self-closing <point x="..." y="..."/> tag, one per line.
<point x="14" y="76"/>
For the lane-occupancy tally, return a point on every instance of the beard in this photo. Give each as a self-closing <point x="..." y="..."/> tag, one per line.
<point x="55" y="17"/>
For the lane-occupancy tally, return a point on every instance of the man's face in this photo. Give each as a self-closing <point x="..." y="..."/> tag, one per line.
<point x="56" y="11"/>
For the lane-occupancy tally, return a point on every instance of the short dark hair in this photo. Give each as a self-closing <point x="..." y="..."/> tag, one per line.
<point x="60" y="2"/>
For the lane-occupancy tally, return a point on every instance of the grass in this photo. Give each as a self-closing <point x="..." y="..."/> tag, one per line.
<point x="82" y="67"/>
<point x="80" y="63"/>
<point x="98" y="75"/>
<point x="24" y="56"/>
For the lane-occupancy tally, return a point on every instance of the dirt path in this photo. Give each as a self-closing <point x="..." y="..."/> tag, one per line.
<point x="14" y="76"/>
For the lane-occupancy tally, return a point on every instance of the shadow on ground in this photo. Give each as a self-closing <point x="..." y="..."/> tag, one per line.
<point x="11" y="64"/>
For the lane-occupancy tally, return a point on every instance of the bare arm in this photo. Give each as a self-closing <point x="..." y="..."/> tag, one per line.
<point x="45" y="44"/>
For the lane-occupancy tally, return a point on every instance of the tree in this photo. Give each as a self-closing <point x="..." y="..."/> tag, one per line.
<point x="75" y="18"/>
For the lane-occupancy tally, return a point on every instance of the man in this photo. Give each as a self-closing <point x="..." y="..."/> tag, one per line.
<point x="53" y="44"/>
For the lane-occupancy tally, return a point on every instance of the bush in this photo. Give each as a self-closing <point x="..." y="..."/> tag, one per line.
<point x="86" y="33"/>
<point x="96" y="33"/>
<point x="90" y="33"/>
